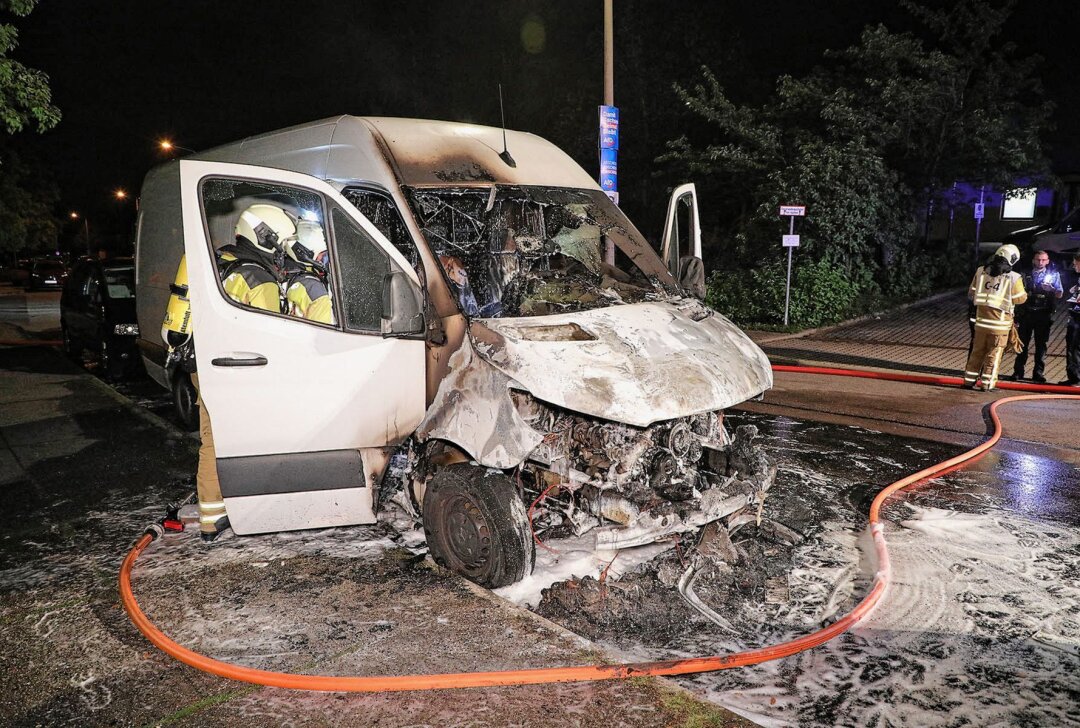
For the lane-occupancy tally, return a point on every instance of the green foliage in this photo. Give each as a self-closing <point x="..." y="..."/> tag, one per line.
<point x="28" y="197"/>
<point x="820" y="294"/>
<point x="865" y="141"/>
<point x="25" y="97"/>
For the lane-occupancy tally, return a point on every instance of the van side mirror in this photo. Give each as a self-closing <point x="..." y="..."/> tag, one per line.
<point x="402" y="306"/>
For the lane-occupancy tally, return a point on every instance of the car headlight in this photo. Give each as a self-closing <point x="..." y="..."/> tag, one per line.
<point x="126" y="330"/>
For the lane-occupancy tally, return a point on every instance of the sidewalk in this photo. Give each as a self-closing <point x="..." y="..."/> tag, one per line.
<point x="929" y="337"/>
<point x="84" y="471"/>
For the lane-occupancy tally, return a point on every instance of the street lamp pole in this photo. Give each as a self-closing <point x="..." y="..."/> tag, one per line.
<point x="86" y="228"/>
<point x="609" y="146"/>
<point x="609" y="53"/>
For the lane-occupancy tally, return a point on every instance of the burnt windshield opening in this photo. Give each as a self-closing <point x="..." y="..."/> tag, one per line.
<point x="534" y="251"/>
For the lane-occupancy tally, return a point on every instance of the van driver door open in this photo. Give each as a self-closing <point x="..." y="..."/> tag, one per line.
<point x="302" y="411"/>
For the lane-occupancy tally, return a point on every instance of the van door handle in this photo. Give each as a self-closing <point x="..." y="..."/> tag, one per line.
<point x="228" y="361"/>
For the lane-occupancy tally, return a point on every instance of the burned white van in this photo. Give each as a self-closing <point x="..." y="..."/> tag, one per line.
<point x="501" y="332"/>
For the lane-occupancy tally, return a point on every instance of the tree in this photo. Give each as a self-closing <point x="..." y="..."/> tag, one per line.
<point x="25" y="98"/>
<point x="28" y="198"/>
<point x="872" y="134"/>
<point x="28" y="194"/>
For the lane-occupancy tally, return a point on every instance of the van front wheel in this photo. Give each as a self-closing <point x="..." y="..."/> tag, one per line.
<point x="476" y="525"/>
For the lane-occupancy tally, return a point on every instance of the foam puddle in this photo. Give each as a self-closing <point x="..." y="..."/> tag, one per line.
<point x="981" y="626"/>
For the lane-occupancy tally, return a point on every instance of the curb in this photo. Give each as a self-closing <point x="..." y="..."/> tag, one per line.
<point x="143" y="413"/>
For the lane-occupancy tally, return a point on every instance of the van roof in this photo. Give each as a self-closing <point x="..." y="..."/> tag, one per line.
<point x="416" y="152"/>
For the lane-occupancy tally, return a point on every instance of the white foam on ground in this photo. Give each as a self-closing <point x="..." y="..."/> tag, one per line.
<point x="979" y="627"/>
<point x="576" y="557"/>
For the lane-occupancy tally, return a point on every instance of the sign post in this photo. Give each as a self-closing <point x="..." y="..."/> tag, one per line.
<point x="980" y="211"/>
<point x="790" y="241"/>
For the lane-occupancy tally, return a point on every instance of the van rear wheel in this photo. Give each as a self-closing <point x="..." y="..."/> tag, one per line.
<point x="186" y="401"/>
<point x="476" y="525"/>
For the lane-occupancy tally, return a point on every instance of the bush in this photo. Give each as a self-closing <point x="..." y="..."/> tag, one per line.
<point x="820" y="294"/>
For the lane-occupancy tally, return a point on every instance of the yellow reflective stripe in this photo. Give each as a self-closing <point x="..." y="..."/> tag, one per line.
<point x="321" y="310"/>
<point x="298" y="296"/>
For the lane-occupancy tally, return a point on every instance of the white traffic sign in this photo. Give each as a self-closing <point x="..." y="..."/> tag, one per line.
<point x="792" y="210"/>
<point x="791" y="241"/>
<point x="980" y="210"/>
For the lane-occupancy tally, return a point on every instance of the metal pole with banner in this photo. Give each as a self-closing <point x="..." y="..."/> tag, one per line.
<point x="609" y="164"/>
<point x="790" y="241"/>
<point x="980" y="211"/>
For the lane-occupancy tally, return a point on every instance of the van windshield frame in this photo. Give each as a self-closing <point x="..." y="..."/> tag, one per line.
<point x="519" y="251"/>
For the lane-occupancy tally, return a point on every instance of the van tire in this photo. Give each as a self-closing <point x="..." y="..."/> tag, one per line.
<point x="185" y="401"/>
<point x="476" y="525"/>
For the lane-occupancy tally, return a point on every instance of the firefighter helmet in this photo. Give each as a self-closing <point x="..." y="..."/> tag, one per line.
<point x="267" y="227"/>
<point x="309" y="243"/>
<point x="1010" y="253"/>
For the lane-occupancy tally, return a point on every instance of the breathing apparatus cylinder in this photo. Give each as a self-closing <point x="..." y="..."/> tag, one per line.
<point x="176" y="328"/>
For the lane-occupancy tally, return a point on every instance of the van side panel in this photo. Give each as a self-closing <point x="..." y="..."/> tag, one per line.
<point x="158" y="249"/>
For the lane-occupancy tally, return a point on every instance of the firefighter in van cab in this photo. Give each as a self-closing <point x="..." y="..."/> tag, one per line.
<point x="1034" y="317"/>
<point x="250" y="272"/>
<point x="995" y="290"/>
<point x="307" y="286"/>
<point x="252" y="269"/>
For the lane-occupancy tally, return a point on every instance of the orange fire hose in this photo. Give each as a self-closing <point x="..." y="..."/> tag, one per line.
<point x="394" y="683"/>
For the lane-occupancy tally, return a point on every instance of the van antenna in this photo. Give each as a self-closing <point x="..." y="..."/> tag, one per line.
<point x="504" y="155"/>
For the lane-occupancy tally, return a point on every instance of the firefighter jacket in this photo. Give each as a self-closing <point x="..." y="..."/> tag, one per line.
<point x="249" y="277"/>
<point x="995" y="299"/>
<point x="307" y="296"/>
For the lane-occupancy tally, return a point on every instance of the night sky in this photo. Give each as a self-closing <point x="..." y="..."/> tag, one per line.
<point x="127" y="73"/>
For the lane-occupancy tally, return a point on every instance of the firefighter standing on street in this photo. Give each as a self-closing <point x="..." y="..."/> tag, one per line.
<point x="995" y="290"/>
<point x="1072" y="333"/>
<point x="250" y="270"/>
<point x="1036" y="314"/>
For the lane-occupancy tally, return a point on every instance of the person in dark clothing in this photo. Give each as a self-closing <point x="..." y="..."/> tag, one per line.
<point x="1036" y="314"/>
<point x="1072" y="333"/>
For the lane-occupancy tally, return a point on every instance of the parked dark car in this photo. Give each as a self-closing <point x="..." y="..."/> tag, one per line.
<point x="97" y="314"/>
<point x="46" y="274"/>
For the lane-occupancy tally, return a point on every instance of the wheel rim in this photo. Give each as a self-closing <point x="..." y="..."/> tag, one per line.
<point x="467" y="533"/>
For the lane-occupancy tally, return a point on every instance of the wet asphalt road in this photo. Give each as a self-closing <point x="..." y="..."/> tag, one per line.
<point x="980" y="627"/>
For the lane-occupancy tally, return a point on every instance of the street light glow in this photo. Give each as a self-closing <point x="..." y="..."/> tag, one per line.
<point x="74" y="215"/>
<point x="166" y="145"/>
<point x="121" y="194"/>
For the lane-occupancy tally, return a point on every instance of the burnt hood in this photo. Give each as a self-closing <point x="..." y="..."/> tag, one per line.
<point x="636" y="363"/>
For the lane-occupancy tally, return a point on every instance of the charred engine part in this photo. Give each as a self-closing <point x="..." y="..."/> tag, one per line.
<point x="649" y="466"/>
<point x="741" y="455"/>
<point x="397" y="477"/>
<point x="686" y="591"/>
